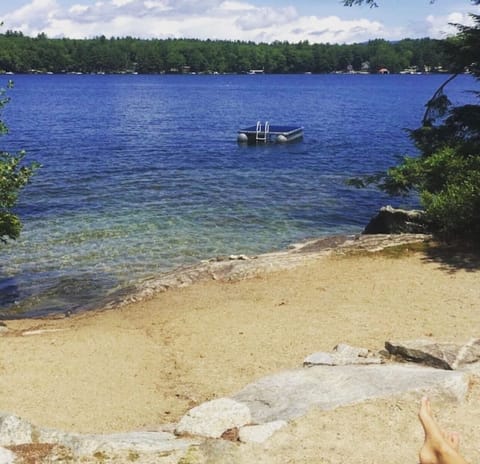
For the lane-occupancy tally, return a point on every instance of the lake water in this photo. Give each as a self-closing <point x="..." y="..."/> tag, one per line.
<point x="142" y="174"/>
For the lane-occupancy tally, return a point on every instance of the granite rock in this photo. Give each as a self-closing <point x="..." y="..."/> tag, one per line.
<point x="155" y="447"/>
<point x="6" y="456"/>
<point x="115" y="444"/>
<point x="213" y="418"/>
<point x="14" y="430"/>
<point x="449" y="356"/>
<point x="260" y="409"/>
<point x="397" y="221"/>
<point x="291" y="394"/>
<point x="342" y="355"/>
<point x="260" y="433"/>
<point x="225" y="269"/>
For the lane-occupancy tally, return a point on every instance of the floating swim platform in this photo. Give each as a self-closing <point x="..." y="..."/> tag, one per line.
<point x="266" y="133"/>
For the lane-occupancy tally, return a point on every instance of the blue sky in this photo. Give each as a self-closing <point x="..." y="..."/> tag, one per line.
<point x="317" y="21"/>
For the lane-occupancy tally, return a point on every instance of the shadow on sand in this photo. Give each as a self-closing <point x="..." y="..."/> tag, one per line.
<point x="454" y="257"/>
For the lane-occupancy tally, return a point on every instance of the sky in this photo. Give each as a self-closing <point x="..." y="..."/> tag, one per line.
<point x="318" y="21"/>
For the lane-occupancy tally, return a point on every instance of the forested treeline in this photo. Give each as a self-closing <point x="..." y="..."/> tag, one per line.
<point x="23" y="54"/>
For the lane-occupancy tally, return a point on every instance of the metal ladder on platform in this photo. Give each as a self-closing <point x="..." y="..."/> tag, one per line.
<point x="262" y="135"/>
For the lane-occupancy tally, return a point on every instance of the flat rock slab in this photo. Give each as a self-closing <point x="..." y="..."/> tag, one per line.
<point x="450" y="356"/>
<point x="342" y="355"/>
<point x="231" y="268"/>
<point x="157" y="447"/>
<point x="134" y="442"/>
<point x="291" y="394"/>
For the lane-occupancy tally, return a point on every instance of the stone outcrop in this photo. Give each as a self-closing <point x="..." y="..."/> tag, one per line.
<point x="291" y="394"/>
<point x="158" y="447"/>
<point x="397" y="221"/>
<point x="450" y="356"/>
<point x="254" y="414"/>
<point x="232" y="268"/>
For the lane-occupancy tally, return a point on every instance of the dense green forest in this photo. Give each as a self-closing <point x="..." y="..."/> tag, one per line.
<point x="22" y="54"/>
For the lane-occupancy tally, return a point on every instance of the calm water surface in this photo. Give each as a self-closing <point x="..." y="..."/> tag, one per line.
<point x="142" y="174"/>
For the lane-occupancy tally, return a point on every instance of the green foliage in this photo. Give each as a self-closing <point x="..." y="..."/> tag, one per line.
<point x="451" y="194"/>
<point x="446" y="173"/>
<point x="21" y="54"/>
<point x="13" y="177"/>
<point x="448" y="181"/>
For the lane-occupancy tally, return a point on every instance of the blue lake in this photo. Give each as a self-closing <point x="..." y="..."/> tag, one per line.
<point x="142" y="174"/>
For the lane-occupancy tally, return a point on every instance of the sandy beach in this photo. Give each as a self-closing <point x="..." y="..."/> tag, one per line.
<point x="145" y="364"/>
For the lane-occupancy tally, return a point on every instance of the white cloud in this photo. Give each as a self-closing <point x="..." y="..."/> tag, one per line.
<point x="214" y="19"/>
<point x="440" y="27"/>
<point x="236" y="6"/>
<point x="335" y="30"/>
<point x="264" y="18"/>
<point x="38" y="12"/>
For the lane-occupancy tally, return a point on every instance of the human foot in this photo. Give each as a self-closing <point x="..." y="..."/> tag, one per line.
<point x="440" y="447"/>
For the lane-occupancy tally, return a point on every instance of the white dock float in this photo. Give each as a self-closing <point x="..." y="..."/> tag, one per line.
<point x="266" y="133"/>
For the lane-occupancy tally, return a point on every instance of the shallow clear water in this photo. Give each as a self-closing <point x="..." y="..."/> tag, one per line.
<point x="142" y="174"/>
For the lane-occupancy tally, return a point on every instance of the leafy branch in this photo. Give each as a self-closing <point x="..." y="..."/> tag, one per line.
<point x="14" y="175"/>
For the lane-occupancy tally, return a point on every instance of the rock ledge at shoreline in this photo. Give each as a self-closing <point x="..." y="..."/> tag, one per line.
<point x="237" y="267"/>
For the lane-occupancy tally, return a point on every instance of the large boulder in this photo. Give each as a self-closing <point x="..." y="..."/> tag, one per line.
<point x="390" y="220"/>
<point x="449" y="356"/>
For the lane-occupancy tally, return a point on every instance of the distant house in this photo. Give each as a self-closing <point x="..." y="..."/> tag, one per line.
<point x="383" y="71"/>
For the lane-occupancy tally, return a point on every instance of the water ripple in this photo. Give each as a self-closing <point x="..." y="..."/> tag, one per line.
<point x="142" y="174"/>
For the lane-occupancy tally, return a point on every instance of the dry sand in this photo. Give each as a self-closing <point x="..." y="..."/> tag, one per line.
<point x="145" y="364"/>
